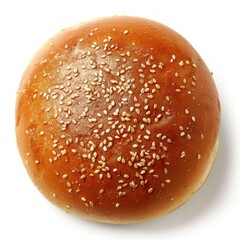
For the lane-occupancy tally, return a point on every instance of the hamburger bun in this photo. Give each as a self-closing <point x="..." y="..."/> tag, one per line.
<point x="117" y="120"/>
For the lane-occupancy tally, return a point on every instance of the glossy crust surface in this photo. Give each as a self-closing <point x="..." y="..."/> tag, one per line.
<point x="117" y="120"/>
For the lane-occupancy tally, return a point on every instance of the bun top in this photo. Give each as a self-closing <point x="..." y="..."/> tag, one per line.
<point x="117" y="119"/>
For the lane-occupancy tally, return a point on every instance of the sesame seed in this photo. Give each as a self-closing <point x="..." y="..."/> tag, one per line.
<point x="182" y="134"/>
<point x="104" y="148"/>
<point x="181" y="127"/>
<point x="150" y="190"/>
<point x="183" y="154"/>
<point x="159" y="135"/>
<point x="137" y="111"/>
<point x="181" y="63"/>
<point x="186" y="111"/>
<point x="125" y="32"/>
<point x="117" y="205"/>
<point x="101" y="191"/>
<point x="83" y="177"/>
<point x="74" y="150"/>
<point x="63" y="152"/>
<point x="64" y="176"/>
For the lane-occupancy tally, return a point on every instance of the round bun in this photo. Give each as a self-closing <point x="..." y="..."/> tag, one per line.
<point x="117" y="120"/>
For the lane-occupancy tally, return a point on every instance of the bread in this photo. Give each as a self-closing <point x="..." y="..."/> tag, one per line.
<point x="117" y="120"/>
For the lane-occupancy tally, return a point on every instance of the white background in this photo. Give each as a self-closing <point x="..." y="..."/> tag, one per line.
<point x="212" y="27"/>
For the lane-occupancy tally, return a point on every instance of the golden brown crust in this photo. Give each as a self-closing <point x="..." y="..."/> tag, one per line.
<point x="117" y="119"/>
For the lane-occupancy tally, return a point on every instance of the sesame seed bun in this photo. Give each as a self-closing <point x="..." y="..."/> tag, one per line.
<point x="117" y="120"/>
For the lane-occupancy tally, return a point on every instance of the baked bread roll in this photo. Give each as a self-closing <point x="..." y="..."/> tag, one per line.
<point x="117" y="120"/>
